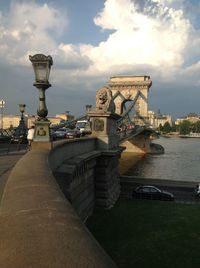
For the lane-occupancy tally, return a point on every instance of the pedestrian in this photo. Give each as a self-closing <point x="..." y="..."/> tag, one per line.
<point x="30" y="136"/>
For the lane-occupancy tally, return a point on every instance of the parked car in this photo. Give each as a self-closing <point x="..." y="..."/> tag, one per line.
<point x="73" y="133"/>
<point x="4" y="138"/>
<point x="152" y="192"/>
<point x="60" y="133"/>
<point x="197" y="190"/>
<point x="52" y="134"/>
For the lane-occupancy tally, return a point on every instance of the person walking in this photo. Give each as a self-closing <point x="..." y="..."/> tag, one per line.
<point x="30" y="136"/>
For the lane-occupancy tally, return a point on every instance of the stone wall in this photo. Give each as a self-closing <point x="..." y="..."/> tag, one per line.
<point x="38" y="225"/>
<point x="107" y="183"/>
<point x="88" y="177"/>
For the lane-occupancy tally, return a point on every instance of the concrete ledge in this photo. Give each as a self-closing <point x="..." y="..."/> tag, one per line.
<point x="38" y="226"/>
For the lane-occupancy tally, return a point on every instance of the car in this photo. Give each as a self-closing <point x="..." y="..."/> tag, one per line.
<point x="60" y="133"/>
<point x="152" y="192"/>
<point x="73" y="133"/>
<point x="4" y="138"/>
<point x="52" y="134"/>
<point x="197" y="190"/>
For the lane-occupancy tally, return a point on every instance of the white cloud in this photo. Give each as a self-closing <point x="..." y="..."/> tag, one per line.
<point x="29" y="28"/>
<point x="153" y="37"/>
<point x="158" y="40"/>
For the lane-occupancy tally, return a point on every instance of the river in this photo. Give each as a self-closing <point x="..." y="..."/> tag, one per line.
<point x="181" y="161"/>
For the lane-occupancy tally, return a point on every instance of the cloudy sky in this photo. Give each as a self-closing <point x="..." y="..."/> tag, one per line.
<point x="92" y="40"/>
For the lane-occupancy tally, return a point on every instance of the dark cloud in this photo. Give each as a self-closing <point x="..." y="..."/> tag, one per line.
<point x="176" y="99"/>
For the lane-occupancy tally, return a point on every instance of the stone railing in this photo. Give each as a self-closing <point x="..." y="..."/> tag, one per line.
<point x="38" y="225"/>
<point x="73" y="165"/>
<point x="87" y="176"/>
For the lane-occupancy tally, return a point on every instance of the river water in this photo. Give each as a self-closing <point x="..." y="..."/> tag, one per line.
<point x="181" y="161"/>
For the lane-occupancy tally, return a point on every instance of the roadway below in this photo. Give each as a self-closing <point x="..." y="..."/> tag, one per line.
<point x="183" y="191"/>
<point x="8" y="159"/>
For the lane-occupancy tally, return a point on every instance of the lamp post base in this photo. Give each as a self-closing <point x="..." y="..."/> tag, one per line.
<point x="42" y="133"/>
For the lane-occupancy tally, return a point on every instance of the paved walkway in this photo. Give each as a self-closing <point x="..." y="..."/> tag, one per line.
<point x="7" y="162"/>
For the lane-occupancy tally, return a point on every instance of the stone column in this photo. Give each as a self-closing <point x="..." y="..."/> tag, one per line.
<point x="104" y="127"/>
<point x="107" y="183"/>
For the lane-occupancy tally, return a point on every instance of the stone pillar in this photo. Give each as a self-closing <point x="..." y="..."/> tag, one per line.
<point x="107" y="183"/>
<point x="104" y="127"/>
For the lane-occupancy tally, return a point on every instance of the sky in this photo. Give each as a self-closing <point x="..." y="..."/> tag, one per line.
<point x="92" y="40"/>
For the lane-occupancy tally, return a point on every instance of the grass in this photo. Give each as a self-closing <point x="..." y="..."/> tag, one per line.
<point x="140" y="233"/>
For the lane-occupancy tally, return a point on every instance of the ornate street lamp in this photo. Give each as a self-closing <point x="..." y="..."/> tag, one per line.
<point x="21" y="131"/>
<point x="2" y="104"/>
<point x="88" y="108"/>
<point x="22" y="109"/>
<point x="42" y="66"/>
<point x="67" y="115"/>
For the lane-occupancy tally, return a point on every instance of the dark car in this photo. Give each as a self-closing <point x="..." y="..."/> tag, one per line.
<point x="73" y="133"/>
<point x="52" y="134"/>
<point x="152" y="192"/>
<point x="4" y="138"/>
<point x="60" y="133"/>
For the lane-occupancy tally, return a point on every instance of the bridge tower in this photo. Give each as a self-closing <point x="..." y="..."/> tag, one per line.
<point x="131" y="88"/>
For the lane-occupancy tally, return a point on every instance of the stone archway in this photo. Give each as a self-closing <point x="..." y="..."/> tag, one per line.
<point x="130" y="88"/>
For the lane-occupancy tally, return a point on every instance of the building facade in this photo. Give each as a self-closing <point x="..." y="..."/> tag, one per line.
<point x="191" y="117"/>
<point x="12" y="121"/>
<point x="157" y="119"/>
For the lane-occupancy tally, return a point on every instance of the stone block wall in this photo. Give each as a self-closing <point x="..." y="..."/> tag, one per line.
<point x="107" y="183"/>
<point x="75" y="177"/>
<point x="87" y="179"/>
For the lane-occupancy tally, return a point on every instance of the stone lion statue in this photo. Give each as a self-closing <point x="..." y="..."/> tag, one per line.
<point x="104" y="99"/>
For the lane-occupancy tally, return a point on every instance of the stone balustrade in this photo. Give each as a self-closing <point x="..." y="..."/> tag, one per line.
<point x="39" y="226"/>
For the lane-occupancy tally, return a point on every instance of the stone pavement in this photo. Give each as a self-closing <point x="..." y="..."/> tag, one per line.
<point x="7" y="162"/>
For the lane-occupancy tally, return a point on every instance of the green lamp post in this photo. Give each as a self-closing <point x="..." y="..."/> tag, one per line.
<point x="42" y="66"/>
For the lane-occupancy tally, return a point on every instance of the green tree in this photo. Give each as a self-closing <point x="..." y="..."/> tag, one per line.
<point x="185" y="127"/>
<point x="160" y="128"/>
<point x="196" y="127"/>
<point x="167" y="128"/>
<point x="174" y="127"/>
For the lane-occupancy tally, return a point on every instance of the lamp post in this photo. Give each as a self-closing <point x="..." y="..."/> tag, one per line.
<point x="22" y="125"/>
<point x="2" y="103"/>
<point x="67" y="115"/>
<point x="42" y="66"/>
<point x="88" y="108"/>
<point x="22" y="110"/>
<point x="20" y="131"/>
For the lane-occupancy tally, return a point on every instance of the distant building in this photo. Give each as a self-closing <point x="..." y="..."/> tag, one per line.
<point x="54" y="120"/>
<point x="65" y="116"/>
<point x="191" y="117"/>
<point x="12" y="121"/>
<point x="157" y="119"/>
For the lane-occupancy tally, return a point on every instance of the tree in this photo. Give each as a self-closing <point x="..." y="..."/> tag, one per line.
<point x="196" y="127"/>
<point x="174" y="127"/>
<point x="167" y="127"/>
<point x="160" y="128"/>
<point x="185" y="127"/>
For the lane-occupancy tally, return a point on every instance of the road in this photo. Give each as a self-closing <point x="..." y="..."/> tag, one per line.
<point x="183" y="191"/>
<point x="7" y="162"/>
